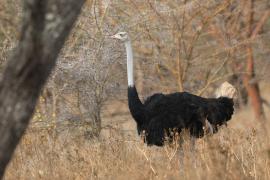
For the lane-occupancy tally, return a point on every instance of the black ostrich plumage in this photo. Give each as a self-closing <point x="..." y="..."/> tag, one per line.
<point x="161" y="113"/>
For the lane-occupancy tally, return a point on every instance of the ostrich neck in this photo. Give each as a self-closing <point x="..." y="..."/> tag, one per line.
<point x="135" y="105"/>
<point x="129" y="64"/>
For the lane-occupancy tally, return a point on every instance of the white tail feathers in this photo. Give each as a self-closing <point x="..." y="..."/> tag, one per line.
<point x="226" y="90"/>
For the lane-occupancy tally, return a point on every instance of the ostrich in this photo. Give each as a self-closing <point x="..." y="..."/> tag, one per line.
<point x="161" y="114"/>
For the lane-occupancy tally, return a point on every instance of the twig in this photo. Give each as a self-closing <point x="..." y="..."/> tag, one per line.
<point x="148" y="159"/>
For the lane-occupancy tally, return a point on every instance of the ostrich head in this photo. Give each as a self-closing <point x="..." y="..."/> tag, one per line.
<point x="123" y="36"/>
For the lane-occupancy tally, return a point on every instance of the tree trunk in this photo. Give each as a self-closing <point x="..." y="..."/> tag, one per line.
<point x="250" y="83"/>
<point x="45" y="26"/>
<point x="252" y="86"/>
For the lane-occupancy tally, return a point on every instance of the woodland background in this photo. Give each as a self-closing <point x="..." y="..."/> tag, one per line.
<point x="82" y="129"/>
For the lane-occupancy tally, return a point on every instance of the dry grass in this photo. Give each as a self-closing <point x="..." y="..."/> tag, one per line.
<point x="240" y="151"/>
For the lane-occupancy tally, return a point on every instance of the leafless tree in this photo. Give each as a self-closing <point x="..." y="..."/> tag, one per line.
<point x="238" y="30"/>
<point x="250" y="82"/>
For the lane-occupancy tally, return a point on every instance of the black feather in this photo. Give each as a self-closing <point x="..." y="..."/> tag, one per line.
<point x="161" y="113"/>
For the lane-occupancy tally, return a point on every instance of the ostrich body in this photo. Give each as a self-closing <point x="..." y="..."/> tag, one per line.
<point x="162" y="114"/>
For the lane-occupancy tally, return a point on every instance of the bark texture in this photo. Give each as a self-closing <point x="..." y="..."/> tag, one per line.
<point x="45" y="26"/>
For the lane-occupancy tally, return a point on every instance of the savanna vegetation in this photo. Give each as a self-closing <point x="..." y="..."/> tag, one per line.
<point x="81" y="127"/>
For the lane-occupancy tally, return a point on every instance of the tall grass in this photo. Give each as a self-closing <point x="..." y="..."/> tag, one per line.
<point x="240" y="151"/>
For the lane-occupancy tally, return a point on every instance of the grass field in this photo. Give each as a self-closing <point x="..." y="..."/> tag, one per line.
<point x="240" y="151"/>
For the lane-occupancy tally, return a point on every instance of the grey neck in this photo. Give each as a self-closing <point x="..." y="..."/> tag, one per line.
<point x="129" y="63"/>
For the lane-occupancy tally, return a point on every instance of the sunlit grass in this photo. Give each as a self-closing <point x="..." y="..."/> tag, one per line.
<point x="240" y="151"/>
